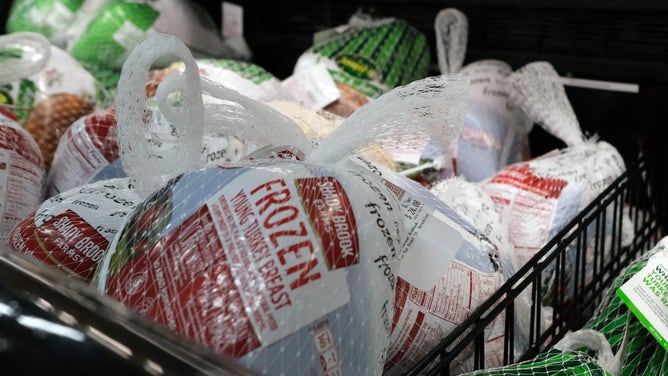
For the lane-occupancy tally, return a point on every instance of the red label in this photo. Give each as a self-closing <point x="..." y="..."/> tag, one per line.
<point x="185" y="283"/>
<point x="5" y="111"/>
<point x="521" y="178"/>
<point x="65" y="241"/>
<point x="395" y="189"/>
<point x="332" y="217"/>
<point x="103" y="132"/>
<point x="19" y="141"/>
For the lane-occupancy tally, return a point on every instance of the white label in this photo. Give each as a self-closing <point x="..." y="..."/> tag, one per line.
<point x="231" y="80"/>
<point x="233" y="20"/>
<point x="646" y="295"/>
<point x="423" y="265"/>
<point x="275" y="284"/>
<point x="313" y="87"/>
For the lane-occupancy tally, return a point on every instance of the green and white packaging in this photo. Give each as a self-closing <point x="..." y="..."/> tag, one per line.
<point x="646" y="295"/>
<point x="113" y="32"/>
<point x="50" y="18"/>
<point x="372" y="56"/>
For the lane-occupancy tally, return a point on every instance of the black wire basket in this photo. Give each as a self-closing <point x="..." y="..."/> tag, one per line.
<point x="596" y="233"/>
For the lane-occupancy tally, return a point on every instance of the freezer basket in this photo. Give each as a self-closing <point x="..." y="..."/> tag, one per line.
<point x="596" y="232"/>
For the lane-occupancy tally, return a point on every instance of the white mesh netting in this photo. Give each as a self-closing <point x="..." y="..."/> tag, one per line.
<point x="537" y="89"/>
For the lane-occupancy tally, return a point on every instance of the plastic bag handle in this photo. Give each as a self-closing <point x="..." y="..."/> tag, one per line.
<point x="406" y="117"/>
<point x="146" y="168"/>
<point x="13" y="68"/>
<point x="253" y="122"/>
<point x="452" y="32"/>
<point x="537" y="89"/>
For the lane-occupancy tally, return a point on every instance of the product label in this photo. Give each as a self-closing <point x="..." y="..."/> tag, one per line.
<point x="422" y="252"/>
<point x="481" y="138"/>
<point x="422" y="318"/>
<point x="187" y="284"/>
<point x="233" y="20"/>
<point x="530" y="203"/>
<point x="66" y="241"/>
<point x="21" y="178"/>
<point x="312" y="86"/>
<point x="270" y="216"/>
<point x="646" y="295"/>
<point x="72" y="231"/>
<point x="23" y="191"/>
<point x="332" y="217"/>
<point x="246" y="260"/>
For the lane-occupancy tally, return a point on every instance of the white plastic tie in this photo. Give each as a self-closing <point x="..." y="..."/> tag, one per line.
<point x="147" y="168"/>
<point x="452" y="30"/>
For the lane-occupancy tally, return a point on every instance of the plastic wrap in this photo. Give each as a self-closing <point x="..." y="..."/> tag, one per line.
<point x="636" y="350"/>
<point x="22" y="174"/>
<point x="189" y="115"/>
<point x="87" y="152"/>
<point x="318" y="125"/>
<point x="72" y="230"/>
<point x="22" y="54"/>
<point x="246" y="78"/>
<point x="266" y="263"/>
<point x="209" y="210"/>
<point x="495" y="133"/>
<point x="482" y="262"/>
<point x="116" y="27"/>
<point x="371" y="56"/>
<point x="542" y="195"/>
<point x="496" y="130"/>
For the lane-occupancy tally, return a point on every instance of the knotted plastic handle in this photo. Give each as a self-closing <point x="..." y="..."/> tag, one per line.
<point x="452" y="34"/>
<point x="406" y="117"/>
<point x="537" y="89"/>
<point x="22" y="54"/>
<point x="181" y="105"/>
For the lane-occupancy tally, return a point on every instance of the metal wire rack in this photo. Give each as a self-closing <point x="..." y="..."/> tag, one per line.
<point x="595" y="236"/>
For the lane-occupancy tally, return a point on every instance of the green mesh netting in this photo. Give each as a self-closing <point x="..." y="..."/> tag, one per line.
<point x="640" y="353"/>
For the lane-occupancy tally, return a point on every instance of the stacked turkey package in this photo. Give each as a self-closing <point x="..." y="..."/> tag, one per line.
<point x="340" y="222"/>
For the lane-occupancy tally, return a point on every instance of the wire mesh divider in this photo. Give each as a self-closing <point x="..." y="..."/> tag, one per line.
<point x="625" y="220"/>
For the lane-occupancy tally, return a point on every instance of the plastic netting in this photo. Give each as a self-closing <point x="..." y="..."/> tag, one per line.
<point x="635" y="350"/>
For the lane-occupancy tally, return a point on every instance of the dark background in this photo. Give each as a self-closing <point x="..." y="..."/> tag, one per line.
<point x="625" y="41"/>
